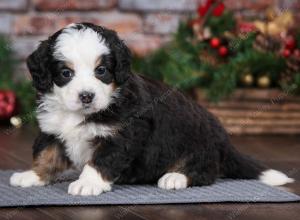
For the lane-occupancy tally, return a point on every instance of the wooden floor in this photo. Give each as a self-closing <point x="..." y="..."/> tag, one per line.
<point x="280" y="152"/>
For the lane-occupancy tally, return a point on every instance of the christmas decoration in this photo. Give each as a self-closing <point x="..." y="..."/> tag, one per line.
<point x="217" y="10"/>
<point x="16" y="121"/>
<point x="290" y="43"/>
<point x="246" y="27"/>
<point x="223" y="51"/>
<point x="292" y="69"/>
<point x="247" y="79"/>
<point x="208" y="58"/>
<point x="215" y="42"/>
<point x="264" y="81"/>
<point x="286" y="53"/>
<point x="220" y="53"/>
<point x="265" y="43"/>
<point x="12" y="90"/>
<point x="7" y="104"/>
<point x="280" y="24"/>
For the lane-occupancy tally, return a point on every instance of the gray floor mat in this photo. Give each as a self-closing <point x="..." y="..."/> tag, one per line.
<point x="246" y="191"/>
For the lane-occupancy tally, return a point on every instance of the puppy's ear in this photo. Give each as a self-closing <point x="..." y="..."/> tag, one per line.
<point x="123" y="61"/>
<point x="121" y="54"/>
<point x="37" y="65"/>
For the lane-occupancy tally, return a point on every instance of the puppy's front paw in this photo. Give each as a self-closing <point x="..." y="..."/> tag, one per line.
<point x="85" y="187"/>
<point x="90" y="183"/>
<point x="172" y="181"/>
<point x="26" y="179"/>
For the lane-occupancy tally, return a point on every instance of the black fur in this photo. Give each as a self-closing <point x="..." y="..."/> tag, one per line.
<point x="162" y="130"/>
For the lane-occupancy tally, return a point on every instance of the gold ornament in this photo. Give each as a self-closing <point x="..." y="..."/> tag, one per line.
<point x="264" y="81"/>
<point x="247" y="79"/>
<point x="16" y="121"/>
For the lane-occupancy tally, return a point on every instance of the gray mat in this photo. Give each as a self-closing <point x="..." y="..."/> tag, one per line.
<point x="222" y="191"/>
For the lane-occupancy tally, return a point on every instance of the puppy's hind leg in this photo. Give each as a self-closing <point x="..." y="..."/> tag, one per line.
<point x="190" y="173"/>
<point x="173" y="180"/>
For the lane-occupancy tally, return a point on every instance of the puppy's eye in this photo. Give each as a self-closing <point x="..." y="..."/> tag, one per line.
<point x="67" y="73"/>
<point x="101" y="70"/>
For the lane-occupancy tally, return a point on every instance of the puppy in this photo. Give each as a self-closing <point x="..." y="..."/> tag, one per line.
<point x="119" y="127"/>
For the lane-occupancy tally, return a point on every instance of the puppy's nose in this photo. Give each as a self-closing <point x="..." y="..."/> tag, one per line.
<point x="86" y="97"/>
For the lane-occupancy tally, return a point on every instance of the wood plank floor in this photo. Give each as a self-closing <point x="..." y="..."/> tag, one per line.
<point x="280" y="152"/>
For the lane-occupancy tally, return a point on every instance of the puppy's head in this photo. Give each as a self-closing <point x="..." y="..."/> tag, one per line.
<point x="81" y="66"/>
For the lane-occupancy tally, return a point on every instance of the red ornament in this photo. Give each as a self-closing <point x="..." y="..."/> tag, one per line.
<point x="286" y="53"/>
<point x="223" y="51"/>
<point x="217" y="11"/>
<point x="7" y="104"/>
<point x="215" y="42"/>
<point x="290" y="43"/>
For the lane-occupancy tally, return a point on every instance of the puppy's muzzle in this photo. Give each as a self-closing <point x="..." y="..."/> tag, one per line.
<point x="86" y="97"/>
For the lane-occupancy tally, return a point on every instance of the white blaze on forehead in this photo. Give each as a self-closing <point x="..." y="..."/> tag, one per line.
<point x="80" y="47"/>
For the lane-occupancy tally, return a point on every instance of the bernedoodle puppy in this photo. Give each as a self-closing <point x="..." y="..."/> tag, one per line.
<point x="96" y="115"/>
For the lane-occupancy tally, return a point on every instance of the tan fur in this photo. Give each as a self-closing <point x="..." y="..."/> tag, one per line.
<point x="70" y="65"/>
<point x="98" y="61"/>
<point x="49" y="163"/>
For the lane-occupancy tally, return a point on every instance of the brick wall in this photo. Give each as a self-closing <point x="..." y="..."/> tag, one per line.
<point x="144" y="24"/>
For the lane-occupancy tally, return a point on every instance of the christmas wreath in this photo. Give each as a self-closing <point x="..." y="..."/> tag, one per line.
<point x="219" y="53"/>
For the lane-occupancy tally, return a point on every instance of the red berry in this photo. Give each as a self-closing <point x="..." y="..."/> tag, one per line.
<point x="215" y="42"/>
<point x="286" y="53"/>
<point x="290" y="43"/>
<point x="223" y="51"/>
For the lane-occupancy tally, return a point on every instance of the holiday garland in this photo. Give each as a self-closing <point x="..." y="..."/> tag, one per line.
<point x="16" y="96"/>
<point x="219" y="53"/>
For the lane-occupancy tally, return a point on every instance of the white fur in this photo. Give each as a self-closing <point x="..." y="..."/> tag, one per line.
<point x="172" y="181"/>
<point x="274" y="178"/>
<point x="61" y="112"/>
<point x="26" y="179"/>
<point x="70" y="128"/>
<point x="90" y="183"/>
<point x="82" y="48"/>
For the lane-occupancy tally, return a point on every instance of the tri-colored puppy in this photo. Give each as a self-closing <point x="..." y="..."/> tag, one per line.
<point x="118" y="127"/>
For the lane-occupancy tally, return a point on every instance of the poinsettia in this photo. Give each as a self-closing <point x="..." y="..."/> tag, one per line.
<point x="217" y="11"/>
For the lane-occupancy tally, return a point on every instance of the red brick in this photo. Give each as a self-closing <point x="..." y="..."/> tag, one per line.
<point x="80" y="5"/>
<point x="120" y="22"/>
<point x="142" y="44"/>
<point x="161" y="23"/>
<point x="249" y="4"/>
<point x="48" y="23"/>
<point x="13" y="5"/>
<point x="159" y="5"/>
<point x="66" y="20"/>
<point x="34" y="24"/>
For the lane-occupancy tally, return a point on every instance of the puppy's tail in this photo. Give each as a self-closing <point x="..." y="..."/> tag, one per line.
<point x="239" y="166"/>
